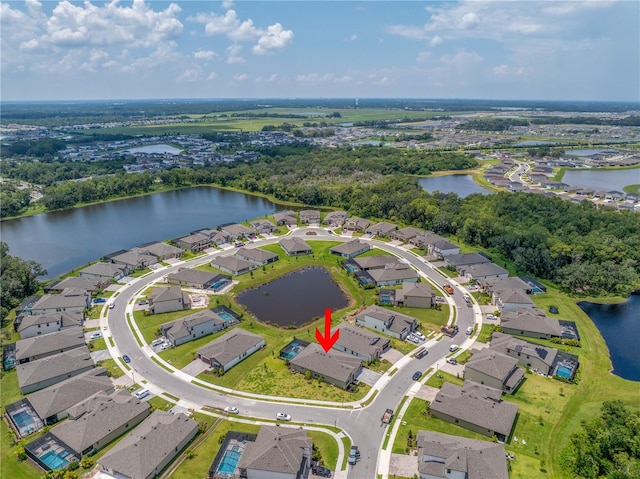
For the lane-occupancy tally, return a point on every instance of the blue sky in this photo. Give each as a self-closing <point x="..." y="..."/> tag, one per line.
<point x="58" y="50"/>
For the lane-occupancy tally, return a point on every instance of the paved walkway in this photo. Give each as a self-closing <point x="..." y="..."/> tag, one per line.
<point x="403" y="465"/>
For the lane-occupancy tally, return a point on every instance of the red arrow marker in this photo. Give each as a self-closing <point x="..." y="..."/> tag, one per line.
<point x="327" y="340"/>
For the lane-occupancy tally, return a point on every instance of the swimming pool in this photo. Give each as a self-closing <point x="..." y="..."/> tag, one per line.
<point x="230" y="461"/>
<point x="226" y="316"/>
<point x="26" y="422"/>
<point x="55" y="460"/>
<point x="219" y="284"/>
<point x="293" y="350"/>
<point x="564" y="371"/>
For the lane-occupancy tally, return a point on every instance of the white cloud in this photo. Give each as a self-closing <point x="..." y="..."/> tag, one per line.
<point x="227" y="4"/>
<point x="461" y="60"/>
<point x="233" y="54"/>
<point x="423" y="56"/>
<point x="327" y="78"/>
<point x="501" y="69"/>
<point x="407" y="31"/>
<point x="270" y="79"/>
<point x="204" y="54"/>
<point x="212" y="76"/>
<point x="189" y="76"/>
<point x="352" y="38"/>
<point x="274" y="39"/>
<point x="435" y="41"/>
<point x="469" y="20"/>
<point x="240" y="77"/>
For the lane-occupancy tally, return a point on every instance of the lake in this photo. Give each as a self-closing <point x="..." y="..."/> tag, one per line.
<point x="155" y="149"/>
<point x="462" y="185"/>
<point x="607" y="180"/>
<point x="619" y="325"/>
<point x="294" y="299"/>
<point x="64" y="240"/>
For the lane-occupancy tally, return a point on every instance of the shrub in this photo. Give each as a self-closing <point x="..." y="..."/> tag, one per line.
<point x="73" y="466"/>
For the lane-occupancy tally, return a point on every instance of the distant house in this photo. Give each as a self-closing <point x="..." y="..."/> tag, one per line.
<point x="88" y="284"/>
<point x="99" y="419"/>
<point x="233" y="265"/>
<point x="335" y="218"/>
<point x="195" y="242"/>
<point x="230" y="348"/>
<point x="51" y="403"/>
<point x="529" y="355"/>
<point x="493" y="285"/>
<point x="393" y="273"/>
<point x="368" y="263"/>
<point x="168" y="299"/>
<point x="356" y="224"/>
<point x="475" y="407"/>
<point x="309" y="217"/>
<point x="39" y="347"/>
<point x="493" y="369"/>
<point x="257" y="256"/>
<point x="263" y="227"/>
<point x="382" y="229"/>
<point x="70" y="300"/>
<point x="483" y="271"/>
<point x="162" y="251"/>
<point x="234" y="231"/>
<point x="133" y="259"/>
<point x="295" y="246"/>
<point x="405" y="234"/>
<point x="285" y="218"/>
<point x="350" y="249"/>
<point x="150" y="447"/>
<point x="195" y="278"/>
<point x="442" y="456"/>
<point x="103" y="272"/>
<point x="333" y="367"/>
<point x="389" y="322"/>
<point x="511" y="299"/>
<point x="424" y="239"/>
<point x="359" y="342"/>
<point x="45" y="372"/>
<point x="194" y="326"/>
<point x="443" y="248"/>
<point x="414" y="295"/>
<point x="31" y="326"/>
<point x="277" y="452"/>
<point x="530" y="322"/>
<point x="466" y="259"/>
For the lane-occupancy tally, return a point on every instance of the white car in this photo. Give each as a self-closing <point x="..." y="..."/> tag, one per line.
<point x="413" y="339"/>
<point x="283" y="417"/>
<point x="95" y="335"/>
<point x="420" y="336"/>
<point x="231" y="410"/>
<point x="491" y="316"/>
<point x="469" y="330"/>
<point x="112" y="305"/>
<point x="453" y="347"/>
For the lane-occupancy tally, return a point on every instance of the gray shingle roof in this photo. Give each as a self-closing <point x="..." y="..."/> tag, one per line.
<point x="530" y="320"/>
<point x="134" y="258"/>
<point x="192" y="276"/>
<point x="230" y="345"/>
<point x="492" y="363"/>
<point x="98" y="416"/>
<point x="393" y="272"/>
<point x="350" y="247"/>
<point x="477" y="459"/>
<point x="160" y="249"/>
<point x="68" y="338"/>
<point x="143" y="449"/>
<point x="378" y="261"/>
<point x="476" y="404"/>
<point x="334" y="364"/>
<point x="399" y="321"/>
<point x="276" y="450"/>
<point x="382" y="228"/>
<point x="182" y="327"/>
<point x="236" y="230"/>
<point x="484" y="269"/>
<point x="53" y="366"/>
<point x="360" y="340"/>
<point x="68" y="298"/>
<point x="288" y="217"/>
<point x="466" y="259"/>
<point x="194" y="239"/>
<point x="505" y="342"/>
<point x="166" y="293"/>
<point x="77" y="282"/>
<point x="255" y="254"/>
<point x="294" y="245"/>
<point x="414" y="290"/>
<point x="517" y="296"/>
<point x="231" y="263"/>
<point x="65" y="318"/>
<point x="335" y="217"/>
<point x="103" y="269"/>
<point x="359" y="223"/>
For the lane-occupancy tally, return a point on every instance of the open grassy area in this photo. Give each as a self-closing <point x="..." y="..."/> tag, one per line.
<point x="112" y="368"/>
<point x="438" y="379"/>
<point x="10" y="467"/>
<point x="160" y="403"/>
<point x="9" y="390"/>
<point x="328" y="448"/>
<point x="98" y="344"/>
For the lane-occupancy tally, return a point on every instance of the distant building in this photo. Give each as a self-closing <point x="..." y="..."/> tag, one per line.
<point x="168" y="299"/>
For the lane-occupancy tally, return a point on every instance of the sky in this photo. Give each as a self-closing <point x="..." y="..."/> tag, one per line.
<point x="538" y="50"/>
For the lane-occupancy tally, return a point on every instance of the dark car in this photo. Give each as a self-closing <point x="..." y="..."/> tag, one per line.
<point x="421" y="353"/>
<point x="417" y="375"/>
<point x="126" y="359"/>
<point x="354" y="453"/>
<point x="321" y="471"/>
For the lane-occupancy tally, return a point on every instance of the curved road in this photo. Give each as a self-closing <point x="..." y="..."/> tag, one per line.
<point x="363" y="425"/>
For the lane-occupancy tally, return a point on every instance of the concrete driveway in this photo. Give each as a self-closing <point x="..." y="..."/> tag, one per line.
<point x="367" y="376"/>
<point x="196" y="367"/>
<point x="392" y="355"/>
<point x="403" y="465"/>
<point x="101" y="355"/>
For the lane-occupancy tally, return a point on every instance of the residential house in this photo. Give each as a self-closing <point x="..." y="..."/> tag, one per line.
<point x="257" y="256"/>
<point x="104" y="272"/>
<point x="295" y="246"/>
<point x="529" y="355"/>
<point x="76" y="282"/>
<point x="406" y="234"/>
<point x="483" y="271"/>
<point x="500" y="284"/>
<point x="414" y="295"/>
<point x="382" y="229"/>
<point x="350" y="249"/>
<point x="466" y="259"/>
<point x="443" y="248"/>
<point x="99" y="419"/>
<point x="195" y="278"/>
<point x="277" y="452"/>
<point x="230" y="348"/>
<point x="263" y="227"/>
<point x="368" y="263"/>
<point x="394" y="324"/>
<point x="356" y="224"/>
<point x="235" y="231"/>
<point x="162" y="251"/>
<point x="149" y="448"/>
<point x="310" y="217"/>
<point x="70" y="299"/>
<point x="285" y="218"/>
<point x="132" y="259"/>
<point x="233" y="265"/>
<point x="531" y="322"/>
<point x="511" y="299"/>
<point x="360" y="342"/>
<point x="195" y="242"/>
<point x="51" y="403"/>
<point x="335" y="218"/>
<point x="424" y="239"/>
<point x="168" y="299"/>
<point x="443" y="456"/>
<point x="38" y="347"/>
<point x="32" y="326"/>
<point x="493" y="369"/>
<point x="475" y="407"/>
<point x="45" y="372"/>
<point x="393" y="273"/>
<point x="333" y="367"/>
<point x="194" y="326"/>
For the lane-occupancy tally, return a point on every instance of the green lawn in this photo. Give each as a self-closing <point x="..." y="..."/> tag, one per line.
<point x="160" y="403"/>
<point x="437" y="380"/>
<point x="98" y="344"/>
<point x="10" y="467"/>
<point x="9" y="388"/>
<point x="328" y="448"/>
<point x="112" y="368"/>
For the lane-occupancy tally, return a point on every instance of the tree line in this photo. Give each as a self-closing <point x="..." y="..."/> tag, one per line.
<point x="18" y="280"/>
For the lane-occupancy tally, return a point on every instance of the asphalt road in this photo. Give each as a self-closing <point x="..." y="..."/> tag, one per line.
<point x="363" y="425"/>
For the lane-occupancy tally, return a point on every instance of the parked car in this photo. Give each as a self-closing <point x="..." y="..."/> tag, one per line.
<point x="283" y="417"/>
<point x="126" y="359"/>
<point x="95" y="335"/>
<point x="112" y="305"/>
<point x="142" y="302"/>
<point x="448" y="288"/>
<point x="231" y="410"/>
<point x="421" y="353"/>
<point x="453" y="347"/>
<point x="452" y="360"/>
<point x="143" y="393"/>
<point x="469" y="331"/>
<point x="165" y="346"/>
<point x="321" y="471"/>
<point x="416" y="375"/>
<point x="157" y="342"/>
<point x="420" y="336"/>
<point x="491" y="316"/>
<point x="354" y="453"/>
<point x="413" y="339"/>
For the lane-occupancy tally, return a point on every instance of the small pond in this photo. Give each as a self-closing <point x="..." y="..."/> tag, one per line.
<point x="294" y="299"/>
<point x="462" y="185"/>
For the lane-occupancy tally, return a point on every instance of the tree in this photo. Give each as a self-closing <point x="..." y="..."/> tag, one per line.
<point x="18" y="279"/>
